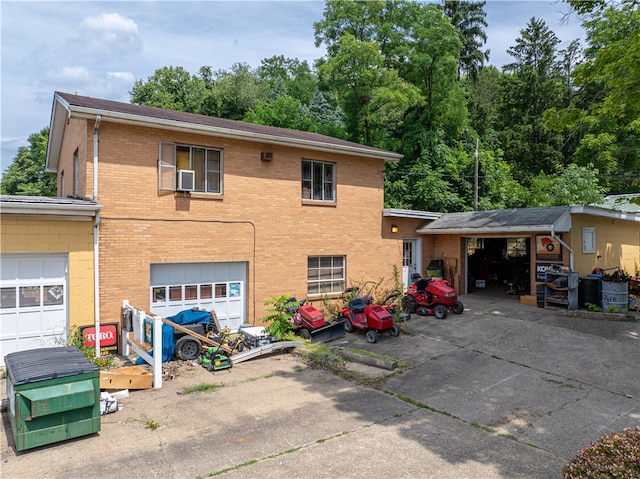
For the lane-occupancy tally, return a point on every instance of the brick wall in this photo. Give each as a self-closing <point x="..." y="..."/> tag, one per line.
<point x="260" y="218"/>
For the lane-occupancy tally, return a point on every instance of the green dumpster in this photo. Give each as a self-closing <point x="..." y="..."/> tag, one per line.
<point x="53" y="394"/>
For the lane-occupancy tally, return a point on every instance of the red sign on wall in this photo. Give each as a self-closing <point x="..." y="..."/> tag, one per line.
<point x="108" y="337"/>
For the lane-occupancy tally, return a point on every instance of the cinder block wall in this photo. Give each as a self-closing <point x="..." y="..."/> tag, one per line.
<point x="74" y="238"/>
<point x="260" y="218"/>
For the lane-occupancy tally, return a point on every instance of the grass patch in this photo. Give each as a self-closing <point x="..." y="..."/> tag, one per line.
<point x="202" y="387"/>
<point x="149" y="424"/>
<point x="401" y="364"/>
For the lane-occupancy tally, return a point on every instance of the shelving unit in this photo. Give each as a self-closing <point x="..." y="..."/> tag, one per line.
<point x="561" y="290"/>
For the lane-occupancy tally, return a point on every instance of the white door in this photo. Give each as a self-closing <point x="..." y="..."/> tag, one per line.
<point x="218" y="287"/>
<point x="410" y="260"/>
<point x="33" y="302"/>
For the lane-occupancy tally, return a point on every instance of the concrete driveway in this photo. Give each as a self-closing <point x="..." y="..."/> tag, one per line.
<point x="502" y="391"/>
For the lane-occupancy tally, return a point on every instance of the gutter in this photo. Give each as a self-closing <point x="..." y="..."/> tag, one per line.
<point x="96" y="239"/>
<point x="553" y="235"/>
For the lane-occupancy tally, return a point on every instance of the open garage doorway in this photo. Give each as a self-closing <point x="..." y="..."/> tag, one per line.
<point x="499" y="265"/>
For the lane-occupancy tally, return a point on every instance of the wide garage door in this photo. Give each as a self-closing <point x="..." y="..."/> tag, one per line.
<point x="33" y="304"/>
<point x="218" y="287"/>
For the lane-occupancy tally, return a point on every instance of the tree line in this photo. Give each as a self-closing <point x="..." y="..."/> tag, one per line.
<point x="553" y="127"/>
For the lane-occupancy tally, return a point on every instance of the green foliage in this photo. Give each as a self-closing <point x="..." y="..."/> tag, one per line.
<point x="172" y="88"/>
<point x="202" y="387"/>
<point x="614" y="455"/>
<point x="280" y="318"/>
<point x="26" y="175"/>
<point x="75" y="339"/>
<point x="593" y="307"/>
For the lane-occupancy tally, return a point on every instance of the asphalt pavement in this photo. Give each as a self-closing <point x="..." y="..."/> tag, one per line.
<point x="503" y="390"/>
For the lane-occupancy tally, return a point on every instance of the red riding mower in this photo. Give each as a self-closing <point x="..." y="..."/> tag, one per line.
<point x="428" y="296"/>
<point x="360" y="312"/>
<point x="309" y="323"/>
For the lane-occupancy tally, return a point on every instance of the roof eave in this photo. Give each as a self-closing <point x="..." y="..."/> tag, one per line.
<point x="604" y="212"/>
<point x="127" y="118"/>
<point x="492" y="230"/>
<point x="88" y="211"/>
<point x="60" y="112"/>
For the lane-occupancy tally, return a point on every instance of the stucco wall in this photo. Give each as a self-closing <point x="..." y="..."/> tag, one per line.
<point x="25" y="234"/>
<point x="260" y="218"/>
<point x="617" y="244"/>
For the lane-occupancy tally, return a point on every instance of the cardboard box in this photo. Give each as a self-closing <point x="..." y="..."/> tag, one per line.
<point x="480" y="283"/>
<point x="529" y="300"/>
<point x="132" y="377"/>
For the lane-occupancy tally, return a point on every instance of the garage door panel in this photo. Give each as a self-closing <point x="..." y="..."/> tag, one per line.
<point x="9" y="325"/>
<point x="34" y="309"/>
<point x="209" y="286"/>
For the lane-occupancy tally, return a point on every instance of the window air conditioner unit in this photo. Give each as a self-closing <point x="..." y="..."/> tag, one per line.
<point x="186" y="180"/>
<point x="266" y="156"/>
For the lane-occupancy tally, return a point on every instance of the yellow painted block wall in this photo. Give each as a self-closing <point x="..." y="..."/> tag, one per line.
<point x="25" y="234"/>
<point x="260" y="218"/>
<point x="617" y="244"/>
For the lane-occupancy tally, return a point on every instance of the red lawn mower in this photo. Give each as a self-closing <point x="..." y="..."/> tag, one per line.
<point x="429" y="296"/>
<point x="360" y="312"/>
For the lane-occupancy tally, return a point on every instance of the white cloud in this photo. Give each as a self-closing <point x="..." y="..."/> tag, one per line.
<point x="70" y="74"/>
<point x="108" y="35"/>
<point x="126" y="77"/>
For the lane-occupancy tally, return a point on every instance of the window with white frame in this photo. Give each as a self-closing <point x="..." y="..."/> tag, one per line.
<point x="325" y="274"/>
<point x="318" y="180"/>
<point x="588" y="239"/>
<point x="205" y="163"/>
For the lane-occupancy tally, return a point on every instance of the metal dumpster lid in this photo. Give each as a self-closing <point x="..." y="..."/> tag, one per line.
<point x="33" y="365"/>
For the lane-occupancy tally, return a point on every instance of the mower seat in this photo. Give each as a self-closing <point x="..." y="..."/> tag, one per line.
<point x="357" y="305"/>
<point x="422" y="284"/>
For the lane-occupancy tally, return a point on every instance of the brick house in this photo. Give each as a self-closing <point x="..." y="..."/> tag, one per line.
<point x="218" y="214"/>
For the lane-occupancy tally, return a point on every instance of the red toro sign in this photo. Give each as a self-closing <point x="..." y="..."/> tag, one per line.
<point x="108" y="337"/>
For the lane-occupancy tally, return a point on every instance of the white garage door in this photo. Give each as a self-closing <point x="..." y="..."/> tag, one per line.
<point x="33" y="303"/>
<point x="218" y="287"/>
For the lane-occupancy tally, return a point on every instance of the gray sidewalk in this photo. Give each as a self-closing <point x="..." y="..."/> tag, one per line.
<point x="501" y="391"/>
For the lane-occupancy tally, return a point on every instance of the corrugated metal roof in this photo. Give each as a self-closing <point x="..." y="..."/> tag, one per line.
<point x="517" y="219"/>
<point x="48" y="205"/>
<point x="620" y="203"/>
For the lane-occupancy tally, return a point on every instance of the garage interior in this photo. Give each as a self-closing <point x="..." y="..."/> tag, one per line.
<point x="499" y="264"/>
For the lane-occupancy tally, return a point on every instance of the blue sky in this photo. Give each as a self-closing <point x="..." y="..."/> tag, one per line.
<point x="100" y="49"/>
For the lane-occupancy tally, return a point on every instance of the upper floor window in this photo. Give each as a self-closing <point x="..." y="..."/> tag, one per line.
<point x="318" y="180"/>
<point x="190" y="168"/>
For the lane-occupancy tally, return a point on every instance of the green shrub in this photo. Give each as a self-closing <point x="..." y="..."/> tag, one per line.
<point x="615" y="455"/>
<point x="280" y="318"/>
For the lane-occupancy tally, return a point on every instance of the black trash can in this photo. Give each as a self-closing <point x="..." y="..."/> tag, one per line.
<point x="589" y="291"/>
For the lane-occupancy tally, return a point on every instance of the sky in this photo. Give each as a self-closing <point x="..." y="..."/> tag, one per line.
<point x="99" y="49"/>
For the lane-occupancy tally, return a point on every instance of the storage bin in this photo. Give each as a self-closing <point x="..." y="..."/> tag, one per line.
<point x="53" y="395"/>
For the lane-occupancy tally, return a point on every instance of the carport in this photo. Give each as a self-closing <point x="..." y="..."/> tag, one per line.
<point x="507" y="250"/>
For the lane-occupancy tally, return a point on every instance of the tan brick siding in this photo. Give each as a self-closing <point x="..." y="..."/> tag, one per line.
<point x="141" y="225"/>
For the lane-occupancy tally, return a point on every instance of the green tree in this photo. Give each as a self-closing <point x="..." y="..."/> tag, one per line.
<point x="231" y="94"/>
<point x="172" y="88"/>
<point x="601" y="123"/>
<point x="469" y="20"/>
<point x="531" y="86"/>
<point x="575" y="185"/>
<point x="26" y="175"/>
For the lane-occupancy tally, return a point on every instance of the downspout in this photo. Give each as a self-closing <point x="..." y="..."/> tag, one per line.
<point x="553" y="235"/>
<point x="96" y="239"/>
